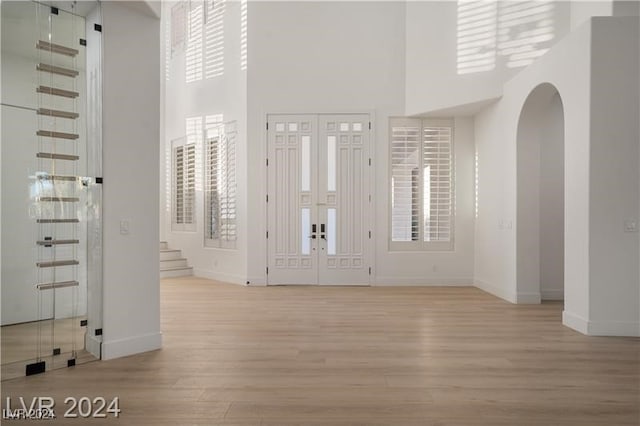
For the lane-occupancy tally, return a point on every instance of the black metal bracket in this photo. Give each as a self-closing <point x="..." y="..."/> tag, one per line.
<point x="56" y="351"/>
<point x="99" y="180"/>
<point x="83" y="323"/>
<point x="97" y="27"/>
<point x="48" y="239"/>
<point x="35" y="368"/>
<point x="71" y="362"/>
<point x="98" y="332"/>
<point x="83" y="42"/>
<point x="54" y="10"/>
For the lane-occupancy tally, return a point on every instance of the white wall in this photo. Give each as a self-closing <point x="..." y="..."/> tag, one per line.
<point x="614" y="179"/>
<point x="316" y="57"/>
<point x="496" y="131"/>
<point x="131" y="53"/>
<point x="433" y="81"/>
<point x="601" y="281"/>
<point x="226" y="95"/>
<point x="582" y="11"/>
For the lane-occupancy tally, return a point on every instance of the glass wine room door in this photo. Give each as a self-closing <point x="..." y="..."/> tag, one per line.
<point x="51" y="229"/>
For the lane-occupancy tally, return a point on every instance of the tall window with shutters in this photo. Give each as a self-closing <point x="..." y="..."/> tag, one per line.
<point x="422" y="167"/>
<point x="220" y="187"/>
<point x="184" y="186"/>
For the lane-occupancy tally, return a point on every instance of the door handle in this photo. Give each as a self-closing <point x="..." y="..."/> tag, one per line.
<point x="313" y="232"/>
<point x="322" y="234"/>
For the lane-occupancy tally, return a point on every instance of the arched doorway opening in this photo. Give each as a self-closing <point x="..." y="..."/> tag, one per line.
<point x="540" y="197"/>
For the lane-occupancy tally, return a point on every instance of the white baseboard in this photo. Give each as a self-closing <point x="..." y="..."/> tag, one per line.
<point x="528" y="298"/>
<point x="93" y="345"/>
<point x="496" y="291"/>
<point x="220" y="276"/>
<point x="420" y="282"/>
<point x="552" y="294"/>
<point x="131" y="345"/>
<point x="575" y="322"/>
<point x="601" y="328"/>
<point x="614" y="328"/>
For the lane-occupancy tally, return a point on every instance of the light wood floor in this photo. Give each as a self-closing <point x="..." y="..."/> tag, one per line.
<point x="367" y="356"/>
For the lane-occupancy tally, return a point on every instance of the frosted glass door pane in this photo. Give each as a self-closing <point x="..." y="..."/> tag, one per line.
<point x="331" y="231"/>
<point x="305" y="232"/>
<point x="331" y="163"/>
<point x="305" y="176"/>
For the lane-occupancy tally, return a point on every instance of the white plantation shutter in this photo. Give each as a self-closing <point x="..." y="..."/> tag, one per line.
<point x="179" y="13"/>
<point x="194" y="52"/>
<point x="178" y="188"/>
<point x="405" y="162"/>
<point x="220" y="187"/>
<point x="184" y="187"/>
<point x="421" y="184"/>
<point x="437" y="162"/>
<point x="212" y="189"/>
<point x="214" y="38"/>
<point x="243" y="35"/>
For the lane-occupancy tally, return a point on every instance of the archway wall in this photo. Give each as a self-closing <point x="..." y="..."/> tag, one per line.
<point x="601" y="294"/>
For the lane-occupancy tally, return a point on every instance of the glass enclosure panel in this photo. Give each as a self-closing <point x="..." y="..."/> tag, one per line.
<point x="51" y="208"/>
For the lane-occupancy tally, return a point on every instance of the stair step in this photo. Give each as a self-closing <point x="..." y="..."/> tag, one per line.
<point x="176" y="272"/>
<point x="168" y="254"/>
<point x="173" y="263"/>
<point x="57" y="70"/>
<point x="57" y="220"/>
<point x="56" y="48"/>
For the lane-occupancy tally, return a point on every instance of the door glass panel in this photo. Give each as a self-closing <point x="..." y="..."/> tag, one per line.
<point x="305" y="175"/>
<point x="51" y="199"/>
<point x="331" y="231"/>
<point x="305" y="232"/>
<point x="331" y="163"/>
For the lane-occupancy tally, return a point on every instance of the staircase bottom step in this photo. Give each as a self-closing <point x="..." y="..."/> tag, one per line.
<point x="182" y="271"/>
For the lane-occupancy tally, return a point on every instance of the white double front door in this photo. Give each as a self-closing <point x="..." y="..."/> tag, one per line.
<point x="318" y="198"/>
